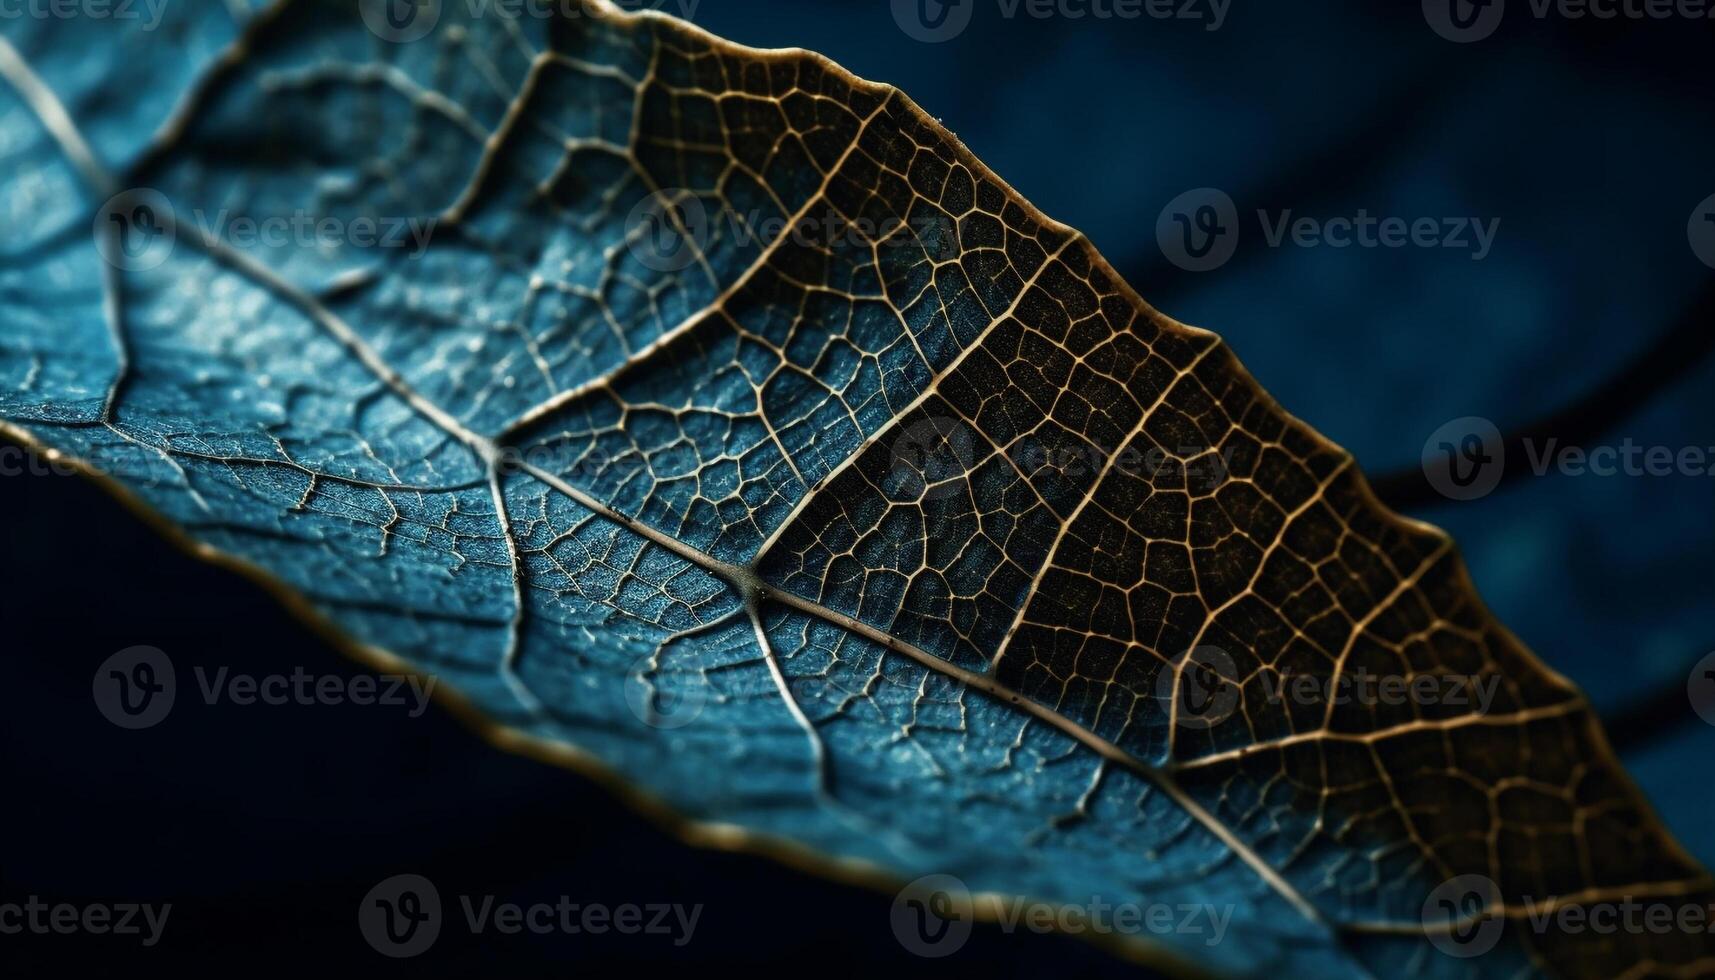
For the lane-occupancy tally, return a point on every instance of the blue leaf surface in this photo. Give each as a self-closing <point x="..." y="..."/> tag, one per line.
<point x="782" y="530"/>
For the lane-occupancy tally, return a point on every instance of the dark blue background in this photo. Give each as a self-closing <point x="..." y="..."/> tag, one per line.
<point x="1590" y="322"/>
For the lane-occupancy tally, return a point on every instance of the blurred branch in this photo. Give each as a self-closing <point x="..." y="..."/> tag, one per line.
<point x="1673" y="355"/>
<point x="1657" y="713"/>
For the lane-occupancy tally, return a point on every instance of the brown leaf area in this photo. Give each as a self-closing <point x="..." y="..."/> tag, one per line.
<point x="1096" y="580"/>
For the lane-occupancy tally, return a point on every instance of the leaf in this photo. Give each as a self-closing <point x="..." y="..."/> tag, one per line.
<point x="908" y="542"/>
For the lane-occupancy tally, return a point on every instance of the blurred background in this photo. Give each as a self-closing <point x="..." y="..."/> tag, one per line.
<point x="1584" y="145"/>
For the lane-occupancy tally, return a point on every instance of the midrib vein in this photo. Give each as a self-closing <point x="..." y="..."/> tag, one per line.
<point x="743" y="579"/>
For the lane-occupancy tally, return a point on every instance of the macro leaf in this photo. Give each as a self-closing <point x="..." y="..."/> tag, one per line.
<point x="712" y="419"/>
